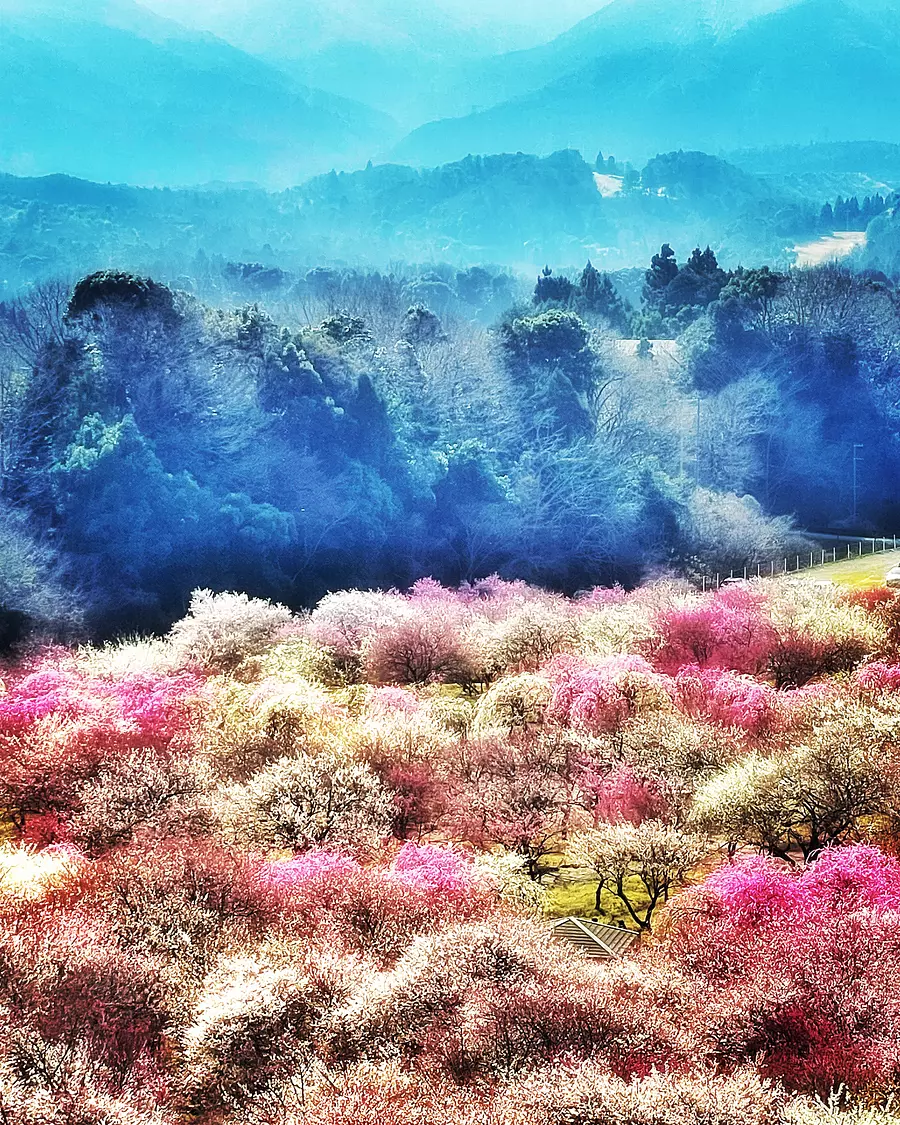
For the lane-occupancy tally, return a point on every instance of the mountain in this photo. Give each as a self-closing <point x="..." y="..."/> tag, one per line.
<point x="517" y="211"/>
<point x="305" y="26"/>
<point x="749" y="87"/>
<point x="114" y="92"/>
<point x="403" y="58"/>
<point x="619" y="26"/>
<point x="827" y="170"/>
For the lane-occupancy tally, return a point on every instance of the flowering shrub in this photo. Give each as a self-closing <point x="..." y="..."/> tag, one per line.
<point x="826" y="938"/>
<point x="732" y="700"/>
<point x="343" y="623"/>
<point x="530" y="636"/>
<point x="607" y="628"/>
<point x="392" y="701"/>
<point x="619" y="796"/>
<point x="436" y="870"/>
<point x="250" y="1040"/>
<point x="296" y="871"/>
<point x="330" y="898"/>
<point x="60" y="731"/>
<point x="601" y="697"/>
<point x="303" y="802"/>
<point x="420" y="650"/>
<point x="514" y="701"/>
<point x="729" y="629"/>
<point x="221" y="630"/>
<point x="878" y="678"/>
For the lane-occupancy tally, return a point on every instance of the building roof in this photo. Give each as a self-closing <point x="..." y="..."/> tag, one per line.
<point x="596" y="939"/>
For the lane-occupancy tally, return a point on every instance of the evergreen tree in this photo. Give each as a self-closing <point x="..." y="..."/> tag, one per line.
<point x="550" y="289"/>
<point x="589" y="286"/>
<point x="697" y="285"/>
<point x="597" y="295"/>
<point x="704" y="263"/>
<point x="663" y="271"/>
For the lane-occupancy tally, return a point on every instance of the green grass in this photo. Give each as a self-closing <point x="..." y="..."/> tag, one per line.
<point x="578" y="899"/>
<point x="565" y="899"/>
<point x="859" y="572"/>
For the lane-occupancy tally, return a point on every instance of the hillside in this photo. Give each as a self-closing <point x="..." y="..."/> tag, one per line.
<point x="514" y="210"/>
<point x="883" y="246"/>
<point x="119" y="94"/>
<point x="248" y="862"/>
<point x="615" y="28"/>
<point x="748" y="89"/>
<point x="827" y="169"/>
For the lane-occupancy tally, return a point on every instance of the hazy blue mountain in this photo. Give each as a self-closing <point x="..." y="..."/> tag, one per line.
<point x="827" y="170"/>
<point x="109" y="91"/>
<point x="617" y="26"/>
<point x="402" y="58"/>
<point x="519" y="211"/>
<point x="816" y="71"/>
<point x="306" y="26"/>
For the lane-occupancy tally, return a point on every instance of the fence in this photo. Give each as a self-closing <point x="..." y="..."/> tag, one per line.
<point x="845" y="547"/>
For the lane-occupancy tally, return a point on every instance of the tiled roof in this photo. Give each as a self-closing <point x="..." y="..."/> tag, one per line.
<point x="595" y="938"/>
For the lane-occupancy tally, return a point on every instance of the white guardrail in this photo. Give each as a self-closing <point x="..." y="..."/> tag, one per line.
<point x="845" y="547"/>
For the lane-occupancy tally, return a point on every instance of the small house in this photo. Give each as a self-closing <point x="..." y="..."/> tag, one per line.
<point x="596" y="939"/>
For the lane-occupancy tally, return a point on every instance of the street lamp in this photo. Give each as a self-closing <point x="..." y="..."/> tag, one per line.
<point x="856" y="446"/>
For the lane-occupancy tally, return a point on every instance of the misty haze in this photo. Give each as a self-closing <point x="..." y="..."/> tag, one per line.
<point x="449" y="576"/>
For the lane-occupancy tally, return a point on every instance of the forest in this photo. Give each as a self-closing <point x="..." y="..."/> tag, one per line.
<point x="288" y="869"/>
<point x="515" y="210"/>
<point x="362" y="429"/>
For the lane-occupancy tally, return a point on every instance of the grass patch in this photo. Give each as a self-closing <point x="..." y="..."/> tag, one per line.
<point x="578" y="899"/>
<point x="860" y="572"/>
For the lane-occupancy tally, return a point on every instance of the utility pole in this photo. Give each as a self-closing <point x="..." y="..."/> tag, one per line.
<point x="856" y="447"/>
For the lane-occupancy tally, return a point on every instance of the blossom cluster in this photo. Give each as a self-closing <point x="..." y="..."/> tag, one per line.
<point x="288" y="868"/>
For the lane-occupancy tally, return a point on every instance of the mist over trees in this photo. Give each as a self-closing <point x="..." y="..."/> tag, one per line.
<point x="515" y="210"/>
<point x="355" y="436"/>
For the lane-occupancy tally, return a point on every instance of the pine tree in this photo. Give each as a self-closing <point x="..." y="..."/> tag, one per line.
<point x="597" y="295"/>
<point x="558" y="290"/>
<point x="590" y="285"/>
<point x="663" y="271"/>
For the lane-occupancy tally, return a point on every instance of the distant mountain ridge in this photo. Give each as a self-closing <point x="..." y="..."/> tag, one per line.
<point x="814" y="70"/>
<point x="518" y="211"/>
<point x="621" y="26"/>
<point x="401" y="57"/>
<point x="826" y="170"/>
<point x="126" y="95"/>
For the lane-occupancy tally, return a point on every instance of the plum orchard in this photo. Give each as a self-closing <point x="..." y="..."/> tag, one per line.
<point x="291" y="870"/>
